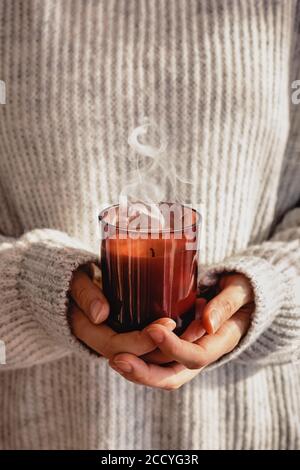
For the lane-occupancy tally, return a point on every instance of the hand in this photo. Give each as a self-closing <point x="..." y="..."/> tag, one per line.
<point x="225" y="318"/>
<point x="89" y="309"/>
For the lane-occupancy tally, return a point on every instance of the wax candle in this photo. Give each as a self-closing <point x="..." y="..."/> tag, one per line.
<point x="146" y="276"/>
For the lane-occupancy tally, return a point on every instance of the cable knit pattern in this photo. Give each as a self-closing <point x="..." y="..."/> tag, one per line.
<point x="217" y="77"/>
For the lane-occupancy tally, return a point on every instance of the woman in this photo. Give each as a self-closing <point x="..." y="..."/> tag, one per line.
<point x="79" y="74"/>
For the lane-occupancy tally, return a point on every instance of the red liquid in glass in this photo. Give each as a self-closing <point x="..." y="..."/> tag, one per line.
<point x="146" y="279"/>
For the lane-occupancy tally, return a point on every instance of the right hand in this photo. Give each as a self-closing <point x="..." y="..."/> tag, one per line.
<point x="90" y="309"/>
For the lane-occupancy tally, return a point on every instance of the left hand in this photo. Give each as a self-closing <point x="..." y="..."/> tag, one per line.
<point x="225" y="319"/>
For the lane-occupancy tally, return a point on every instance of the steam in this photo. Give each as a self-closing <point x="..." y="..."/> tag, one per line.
<point x="142" y="194"/>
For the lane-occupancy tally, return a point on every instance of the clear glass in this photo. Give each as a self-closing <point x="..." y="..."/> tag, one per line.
<point x="149" y="274"/>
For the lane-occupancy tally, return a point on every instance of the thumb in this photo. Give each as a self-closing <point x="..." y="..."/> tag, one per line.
<point x="89" y="298"/>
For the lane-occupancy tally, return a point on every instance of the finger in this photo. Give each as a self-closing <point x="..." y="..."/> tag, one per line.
<point x="151" y="375"/>
<point x="194" y="331"/>
<point x="166" y="322"/>
<point x="89" y="297"/>
<point x="207" y="349"/>
<point x="105" y="341"/>
<point x="236" y="292"/>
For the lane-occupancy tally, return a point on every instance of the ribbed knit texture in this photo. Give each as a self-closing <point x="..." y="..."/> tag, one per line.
<point x="80" y="74"/>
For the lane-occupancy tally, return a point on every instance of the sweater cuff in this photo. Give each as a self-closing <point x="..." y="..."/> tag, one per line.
<point x="47" y="265"/>
<point x="271" y="293"/>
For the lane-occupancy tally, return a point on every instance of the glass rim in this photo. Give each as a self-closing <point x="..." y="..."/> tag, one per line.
<point x="166" y="230"/>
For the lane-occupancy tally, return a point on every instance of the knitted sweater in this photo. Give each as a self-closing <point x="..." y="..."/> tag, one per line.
<point x="217" y="76"/>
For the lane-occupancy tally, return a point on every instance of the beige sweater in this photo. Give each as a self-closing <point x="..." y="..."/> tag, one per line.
<point x="79" y="75"/>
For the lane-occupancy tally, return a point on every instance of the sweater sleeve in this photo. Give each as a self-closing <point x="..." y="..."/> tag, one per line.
<point x="273" y="269"/>
<point x="35" y="275"/>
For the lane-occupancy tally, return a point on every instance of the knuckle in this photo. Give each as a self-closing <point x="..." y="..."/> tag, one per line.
<point x="230" y="336"/>
<point x="230" y="329"/>
<point x="174" y="347"/>
<point x="197" y="363"/>
<point x="140" y="342"/>
<point x="203" y="350"/>
<point x="81" y="294"/>
<point x="203" y="358"/>
<point x="227" y="306"/>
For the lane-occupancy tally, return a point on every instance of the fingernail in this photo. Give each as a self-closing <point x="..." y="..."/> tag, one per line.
<point x="123" y="366"/>
<point x="170" y="323"/>
<point x="97" y="311"/>
<point x="215" y="320"/>
<point x="156" y="335"/>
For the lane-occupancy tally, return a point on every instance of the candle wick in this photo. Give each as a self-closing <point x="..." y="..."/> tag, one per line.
<point x="152" y="252"/>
